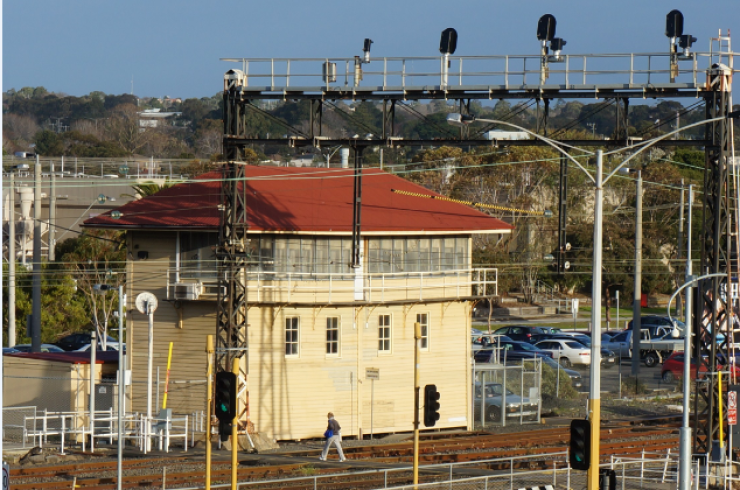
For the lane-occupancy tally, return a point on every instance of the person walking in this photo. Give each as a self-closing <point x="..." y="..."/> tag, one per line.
<point x="333" y="436"/>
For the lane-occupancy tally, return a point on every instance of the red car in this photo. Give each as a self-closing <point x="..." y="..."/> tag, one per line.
<point x="673" y="368"/>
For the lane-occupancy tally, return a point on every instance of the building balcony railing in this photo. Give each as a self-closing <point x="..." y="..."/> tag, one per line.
<point x="188" y="284"/>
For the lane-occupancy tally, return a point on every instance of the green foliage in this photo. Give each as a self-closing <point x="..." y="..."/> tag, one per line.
<point x="48" y="143"/>
<point x="96" y="257"/>
<point x="145" y="189"/>
<point x="633" y="385"/>
<point x="550" y="385"/>
<point x="62" y="308"/>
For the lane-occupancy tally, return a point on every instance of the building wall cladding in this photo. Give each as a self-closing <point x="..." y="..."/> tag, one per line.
<point x="291" y="394"/>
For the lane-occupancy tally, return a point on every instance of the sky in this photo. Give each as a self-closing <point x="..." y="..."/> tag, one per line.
<point x="173" y="47"/>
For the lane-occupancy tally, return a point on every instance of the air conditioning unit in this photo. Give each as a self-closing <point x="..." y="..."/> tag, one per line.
<point x="189" y="291"/>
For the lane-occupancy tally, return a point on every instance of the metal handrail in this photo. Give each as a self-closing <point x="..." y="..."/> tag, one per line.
<point x="393" y="72"/>
<point x="465" y="282"/>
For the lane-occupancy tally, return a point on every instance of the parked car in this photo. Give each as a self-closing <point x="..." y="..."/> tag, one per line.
<point x="110" y="347"/>
<point x="652" y="350"/>
<point x="605" y="336"/>
<point x="80" y="339"/>
<point x="486" y="341"/>
<point x="567" y="352"/>
<point x="494" y="398"/>
<point x="520" y="333"/>
<point x="551" y="330"/>
<point x="575" y="376"/>
<point x="509" y="349"/>
<point x="673" y="368"/>
<point x="657" y="325"/>
<point x="44" y="348"/>
<point x="9" y="350"/>
<point x="608" y="358"/>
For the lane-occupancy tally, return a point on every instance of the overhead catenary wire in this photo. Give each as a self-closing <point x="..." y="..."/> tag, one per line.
<point x="468" y="203"/>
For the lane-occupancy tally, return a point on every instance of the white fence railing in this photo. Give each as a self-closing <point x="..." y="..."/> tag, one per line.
<point x="29" y="426"/>
<point x="619" y="70"/>
<point x="335" y="287"/>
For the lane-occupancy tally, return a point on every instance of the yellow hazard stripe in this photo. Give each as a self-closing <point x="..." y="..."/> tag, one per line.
<point x="469" y="203"/>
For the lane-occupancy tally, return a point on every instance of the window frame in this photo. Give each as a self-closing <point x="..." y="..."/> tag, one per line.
<point x="338" y="327"/>
<point x="296" y="343"/>
<point x="424" y="328"/>
<point x="382" y="338"/>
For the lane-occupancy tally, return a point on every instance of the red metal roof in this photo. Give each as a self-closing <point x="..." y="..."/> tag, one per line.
<point x="291" y="199"/>
<point x="101" y="357"/>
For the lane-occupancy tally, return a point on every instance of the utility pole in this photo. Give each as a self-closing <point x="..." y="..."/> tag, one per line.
<point x="679" y="252"/>
<point x="11" y="263"/>
<point x="594" y="392"/>
<point x="53" y="214"/>
<point x="36" y="292"/>
<point x="684" y="462"/>
<point x="637" y="302"/>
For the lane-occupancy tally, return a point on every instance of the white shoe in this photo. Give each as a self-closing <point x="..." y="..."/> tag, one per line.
<point x="343" y="460"/>
<point x="321" y="459"/>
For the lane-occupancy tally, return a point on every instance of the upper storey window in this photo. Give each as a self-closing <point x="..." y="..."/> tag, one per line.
<point x="417" y="254"/>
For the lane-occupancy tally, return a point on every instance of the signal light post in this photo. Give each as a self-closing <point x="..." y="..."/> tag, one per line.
<point x="579" y="455"/>
<point x="225" y="403"/>
<point x="431" y="405"/>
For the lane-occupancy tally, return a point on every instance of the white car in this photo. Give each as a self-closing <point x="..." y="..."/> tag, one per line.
<point x="110" y="346"/>
<point x="566" y="352"/>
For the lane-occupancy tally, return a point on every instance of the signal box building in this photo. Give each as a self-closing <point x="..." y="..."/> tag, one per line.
<point x="322" y="336"/>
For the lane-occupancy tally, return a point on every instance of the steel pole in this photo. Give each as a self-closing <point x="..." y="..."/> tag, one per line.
<point x="11" y="263"/>
<point x="684" y="462"/>
<point x="679" y="248"/>
<point x="93" y="352"/>
<point x="234" y="431"/>
<point x="36" y="291"/>
<point x="637" y="302"/>
<point x="417" y="342"/>
<point x="149" y="373"/>
<point x="121" y="386"/>
<point x="209" y="398"/>
<point x="595" y="368"/>
<point x="52" y="214"/>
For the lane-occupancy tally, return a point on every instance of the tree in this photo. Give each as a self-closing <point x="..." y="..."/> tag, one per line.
<point x="124" y="128"/>
<point x="48" y="143"/>
<point x="96" y="257"/>
<point x="146" y="189"/>
<point x="62" y="308"/>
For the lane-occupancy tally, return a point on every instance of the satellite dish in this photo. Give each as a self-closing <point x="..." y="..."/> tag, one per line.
<point x="146" y="303"/>
<point x="566" y="266"/>
<point x="567" y="247"/>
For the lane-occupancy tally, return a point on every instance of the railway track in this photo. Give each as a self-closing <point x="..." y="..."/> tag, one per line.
<point x="181" y="471"/>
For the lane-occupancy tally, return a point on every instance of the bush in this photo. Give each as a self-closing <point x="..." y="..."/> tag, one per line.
<point x="632" y="385"/>
<point x="550" y="386"/>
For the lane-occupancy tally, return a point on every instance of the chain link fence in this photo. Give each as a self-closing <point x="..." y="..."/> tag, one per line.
<point x="507" y="394"/>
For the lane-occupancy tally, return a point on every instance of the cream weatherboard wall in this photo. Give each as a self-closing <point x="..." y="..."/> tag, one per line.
<point x="291" y="394"/>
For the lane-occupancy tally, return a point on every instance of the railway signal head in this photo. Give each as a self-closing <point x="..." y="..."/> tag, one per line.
<point x="225" y="396"/>
<point x="674" y="24"/>
<point x="546" y="27"/>
<point x="448" y="42"/>
<point x="431" y="405"/>
<point x="579" y="455"/>
<point x="366" y="50"/>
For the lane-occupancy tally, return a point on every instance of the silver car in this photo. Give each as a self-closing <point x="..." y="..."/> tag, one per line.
<point x="494" y="398"/>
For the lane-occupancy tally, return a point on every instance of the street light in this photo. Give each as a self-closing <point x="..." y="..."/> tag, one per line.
<point x="102" y="289"/>
<point x="599" y="182"/>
